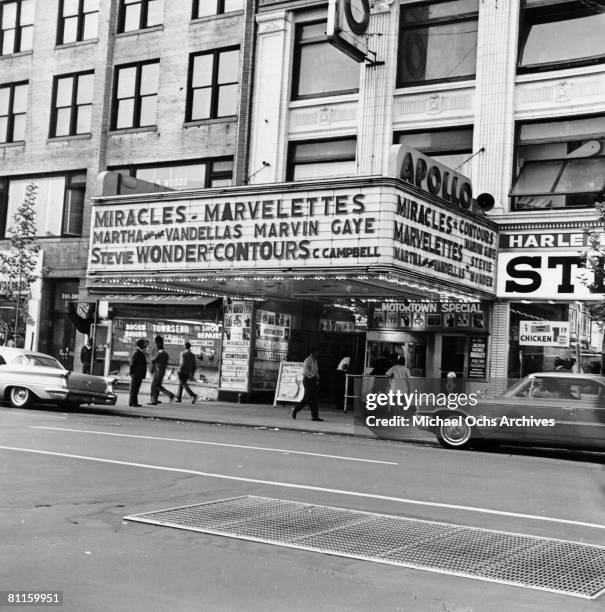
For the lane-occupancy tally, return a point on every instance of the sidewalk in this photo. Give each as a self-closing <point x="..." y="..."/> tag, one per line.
<point x="335" y="422"/>
<point x="229" y="413"/>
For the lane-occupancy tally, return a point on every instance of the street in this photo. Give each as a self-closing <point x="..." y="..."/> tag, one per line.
<point x="67" y="481"/>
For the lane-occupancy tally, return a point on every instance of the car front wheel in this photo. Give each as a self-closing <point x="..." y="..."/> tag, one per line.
<point x="20" y="397"/>
<point x="457" y="434"/>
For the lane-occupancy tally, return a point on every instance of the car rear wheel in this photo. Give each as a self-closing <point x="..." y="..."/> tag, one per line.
<point x="457" y="434"/>
<point x="20" y="397"/>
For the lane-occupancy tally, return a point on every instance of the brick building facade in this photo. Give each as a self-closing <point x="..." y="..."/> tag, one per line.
<point x="63" y="123"/>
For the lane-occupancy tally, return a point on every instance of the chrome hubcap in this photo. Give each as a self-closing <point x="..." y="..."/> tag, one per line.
<point x="19" y="395"/>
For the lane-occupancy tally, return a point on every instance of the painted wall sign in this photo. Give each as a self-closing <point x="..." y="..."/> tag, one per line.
<point x="348" y="22"/>
<point x="317" y="229"/>
<point x="544" y="333"/>
<point x="555" y="274"/>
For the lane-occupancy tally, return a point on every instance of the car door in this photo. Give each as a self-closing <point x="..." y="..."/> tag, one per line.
<point x="552" y="399"/>
<point x="514" y="404"/>
<point x="590" y="413"/>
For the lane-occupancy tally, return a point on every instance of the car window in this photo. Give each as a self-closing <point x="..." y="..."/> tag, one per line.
<point x="524" y="390"/>
<point x="43" y="360"/>
<point x="557" y="388"/>
<point x="20" y="360"/>
<point x="2" y="361"/>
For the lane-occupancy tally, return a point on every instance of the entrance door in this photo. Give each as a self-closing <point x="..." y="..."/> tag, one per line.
<point x="452" y="355"/>
<point x="62" y="341"/>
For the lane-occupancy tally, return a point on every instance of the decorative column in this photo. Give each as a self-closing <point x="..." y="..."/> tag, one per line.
<point x="494" y="99"/>
<point x="270" y="98"/>
<point x="376" y="88"/>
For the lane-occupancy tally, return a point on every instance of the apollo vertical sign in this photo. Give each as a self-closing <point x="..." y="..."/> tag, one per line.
<point x="348" y="22"/>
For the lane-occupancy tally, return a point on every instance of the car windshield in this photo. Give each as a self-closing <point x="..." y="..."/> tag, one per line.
<point x="43" y="360"/>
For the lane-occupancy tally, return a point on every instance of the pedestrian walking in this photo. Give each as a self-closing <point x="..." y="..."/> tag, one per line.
<point x="399" y="375"/>
<point x="311" y="386"/>
<point x="138" y="372"/>
<point x="86" y="356"/>
<point x="159" y="362"/>
<point x="186" y="371"/>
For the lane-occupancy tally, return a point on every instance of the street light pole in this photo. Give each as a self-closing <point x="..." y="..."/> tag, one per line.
<point x="17" y="304"/>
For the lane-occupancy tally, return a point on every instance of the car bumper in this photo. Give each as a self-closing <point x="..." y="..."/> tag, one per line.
<point x="82" y="397"/>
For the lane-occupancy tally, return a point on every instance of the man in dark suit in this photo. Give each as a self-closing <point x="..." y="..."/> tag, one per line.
<point x="138" y="371"/>
<point x="186" y="371"/>
<point x="159" y="363"/>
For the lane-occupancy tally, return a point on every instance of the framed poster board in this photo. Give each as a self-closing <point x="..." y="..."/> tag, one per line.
<point x="289" y="382"/>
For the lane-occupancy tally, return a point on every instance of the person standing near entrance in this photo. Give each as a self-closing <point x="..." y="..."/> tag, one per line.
<point x="159" y="362"/>
<point x="86" y="356"/>
<point x="311" y="386"/>
<point x="399" y="375"/>
<point x="138" y="371"/>
<point x="186" y="371"/>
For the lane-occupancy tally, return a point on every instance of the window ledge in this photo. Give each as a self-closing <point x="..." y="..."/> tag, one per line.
<point x="559" y="74"/>
<point x="16" y="143"/>
<point x="434" y="87"/>
<point x="213" y="17"/>
<point x="146" y="128"/>
<point x="18" y="54"/>
<point x="324" y="100"/>
<point x="86" y="136"/>
<point x="155" y="28"/>
<point x="229" y="119"/>
<point x="77" y="43"/>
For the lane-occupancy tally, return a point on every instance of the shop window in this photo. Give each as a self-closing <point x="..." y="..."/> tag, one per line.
<point x="59" y="203"/>
<point x="559" y="164"/>
<point x="72" y="104"/>
<point x="213" y="84"/>
<point x="13" y="110"/>
<point x="198" y="175"/>
<point x="207" y="8"/>
<point x="17" y="26"/>
<point x="139" y="14"/>
<point x="452" y="146"/>
<point x="135" y="95"/>
<point x="78" y="20"/>
<point x="319" y="68"/>
<point x="437" y="42"/>
<point x="321" y="159"/>
<point x="561" y="34"/>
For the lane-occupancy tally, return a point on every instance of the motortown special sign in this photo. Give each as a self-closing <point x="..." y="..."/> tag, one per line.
<point x="320" y="228"/>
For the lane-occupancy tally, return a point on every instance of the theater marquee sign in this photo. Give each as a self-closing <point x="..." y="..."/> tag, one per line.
<point x="317" y="229"/>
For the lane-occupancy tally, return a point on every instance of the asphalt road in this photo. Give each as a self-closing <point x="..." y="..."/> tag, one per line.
<point x="62" y="509"/>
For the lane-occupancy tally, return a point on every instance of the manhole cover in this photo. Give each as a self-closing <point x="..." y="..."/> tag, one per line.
<point x="532" y="562"/>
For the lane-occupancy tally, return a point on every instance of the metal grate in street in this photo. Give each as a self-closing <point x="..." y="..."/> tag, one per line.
<point x="557" y="566"/>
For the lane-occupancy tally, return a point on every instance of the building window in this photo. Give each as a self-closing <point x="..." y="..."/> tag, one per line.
<point x="450" y="146"/>
<point x="59" y="203"/>
<point x="213" y="84"/>
<point x="559" y="164"/>
<point x="561" y="34"/>
<point x="139" y="14"/>
<point x="17" y="21"/>
<point x="78" y="20"/>
<point x="319" y="68"/>
<point x="135" y="95"/>
<point x="321" y="159"/>
<point x="72" y="104"/>
<point x="196" y="175"/>
<point x="437" y="42"/>
<point x="13" y="108"/>
<point x="207" y="8"/>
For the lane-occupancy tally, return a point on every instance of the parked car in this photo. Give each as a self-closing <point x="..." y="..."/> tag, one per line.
<point x="556" y="409"/>
<point x="28" y="377"/>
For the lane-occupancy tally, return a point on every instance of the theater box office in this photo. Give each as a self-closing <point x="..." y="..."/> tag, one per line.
<point x="299" y="263"/>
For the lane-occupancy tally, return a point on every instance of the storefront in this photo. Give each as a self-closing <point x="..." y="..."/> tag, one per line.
<point x="544" y="281"/>
<point x="300" y="264"/>
<point x="435" y="338"/>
